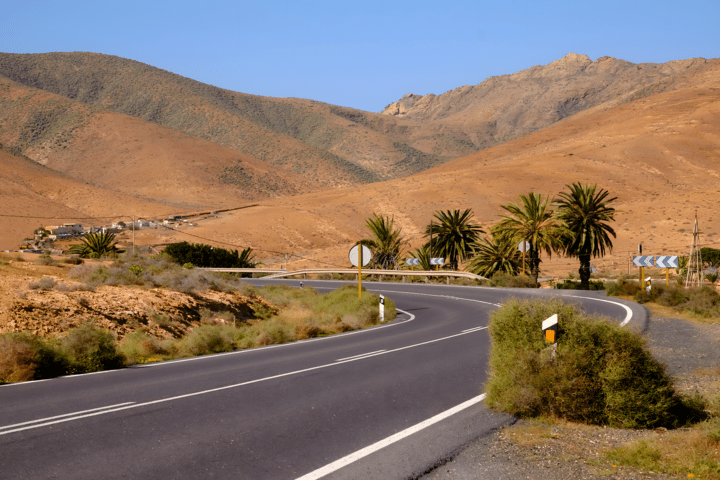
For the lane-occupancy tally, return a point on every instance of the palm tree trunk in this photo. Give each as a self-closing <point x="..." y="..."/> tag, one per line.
<point x="584" y="271"/>
<point x="534" y="263"/>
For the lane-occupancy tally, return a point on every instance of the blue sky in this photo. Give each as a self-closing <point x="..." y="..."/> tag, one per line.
<point x="362" y="54"/>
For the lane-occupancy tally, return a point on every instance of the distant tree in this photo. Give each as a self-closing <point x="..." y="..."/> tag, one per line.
<point x="453" y="235"/>
<point x="95" y="245"/>
<point x="585" y="212"/>
<point x="387" y="242"/>
<point x="497" y="254"/>
<point x="201" y="255"/>
<point x="710" y="257"/>
<point x="532" y="222"/>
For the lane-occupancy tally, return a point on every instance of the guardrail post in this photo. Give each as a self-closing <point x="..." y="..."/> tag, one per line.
<point x="448" y="279"/>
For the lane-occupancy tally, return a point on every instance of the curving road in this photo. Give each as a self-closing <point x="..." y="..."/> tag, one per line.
<point x="387" y="402"/>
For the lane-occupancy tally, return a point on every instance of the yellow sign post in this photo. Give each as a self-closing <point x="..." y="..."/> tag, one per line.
<point x="360" y="256"/>
<point x="360" y="252"/>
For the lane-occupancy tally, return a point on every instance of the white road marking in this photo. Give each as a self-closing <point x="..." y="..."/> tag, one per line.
<point x="353" y="457"/>
<point x="476" y="329"/>
<point x="358" y="356"/>
<point x="59" y="416"/>
<point x="299" y="342"/>
<point x="227" y="387"/>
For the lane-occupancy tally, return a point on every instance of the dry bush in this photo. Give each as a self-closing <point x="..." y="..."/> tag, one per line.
<point x="45" y="283"/>
<point x="17" y="360"/>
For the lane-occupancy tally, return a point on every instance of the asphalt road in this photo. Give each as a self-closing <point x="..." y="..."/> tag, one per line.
<point x="333" y="407"/>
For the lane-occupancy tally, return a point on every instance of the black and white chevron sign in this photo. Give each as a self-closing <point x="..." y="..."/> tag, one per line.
<point x="437" y="261"/>
<point x="667" y="261"/>
<point x="412" y="261"/>
<point x="643" y="260"/>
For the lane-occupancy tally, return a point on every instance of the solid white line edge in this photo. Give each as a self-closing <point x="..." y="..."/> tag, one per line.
<point x="364" y="452"/>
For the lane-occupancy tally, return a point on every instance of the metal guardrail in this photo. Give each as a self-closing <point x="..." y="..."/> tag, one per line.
<point x="282" y="273"/>
<point x="382" y="273"/>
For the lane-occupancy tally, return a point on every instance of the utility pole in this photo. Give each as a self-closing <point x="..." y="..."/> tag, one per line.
<point x="694" y="266"/>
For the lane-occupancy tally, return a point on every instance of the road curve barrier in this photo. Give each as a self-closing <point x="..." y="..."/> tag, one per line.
<point x="275" y="273"/>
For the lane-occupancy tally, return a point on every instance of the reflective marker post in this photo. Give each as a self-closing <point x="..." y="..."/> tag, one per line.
<point x="382" y="308"/>
<point x="549" y="328"/>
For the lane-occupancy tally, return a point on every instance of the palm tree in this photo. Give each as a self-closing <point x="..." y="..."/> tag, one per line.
<point x="95" y="245"/>
<point x="500" y="254"/>
<point x="533" y="222"/>
<point x="584" y="213"/>
<point x="387" y="243"/>
<point x="453" y="236"/>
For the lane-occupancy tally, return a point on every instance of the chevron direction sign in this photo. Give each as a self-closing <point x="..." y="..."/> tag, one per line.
<point x="643" y="261"/>
<point x="412" y="261"/>
<point x="437" y="261"/>
<point x="666" y="261"/>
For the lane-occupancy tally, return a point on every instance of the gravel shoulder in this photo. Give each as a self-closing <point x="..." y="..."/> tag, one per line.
<point x="537" y="450"/>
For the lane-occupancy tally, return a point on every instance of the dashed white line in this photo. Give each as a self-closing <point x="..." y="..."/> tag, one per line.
<point x="46" y="422"/>
<point x="361" y="355"/>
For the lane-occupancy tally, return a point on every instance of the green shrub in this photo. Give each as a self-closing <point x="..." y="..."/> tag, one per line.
<point x="207" y="339"/>
<point x="622" y="287"/>
<point x="201" y="255"/>
<point x="91" y="349"/>
<point x="600" y="373"/>
<point x="703" y="301"/>
<point x="501" y="279"/>
<point x="572" y="285"/>
<point x="139" y="346"/>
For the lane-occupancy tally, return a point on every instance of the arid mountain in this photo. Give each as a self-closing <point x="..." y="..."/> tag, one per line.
<point x="138" y="158"/>
<point x="651" y="138"/>
<point x="335" y="146"/>
<point x="659" y="155"/>
<point x="532" y="99"/>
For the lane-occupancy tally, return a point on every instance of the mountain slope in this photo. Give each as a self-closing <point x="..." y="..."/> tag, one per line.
<point x="122" y="153"/>
<point x="336" y="146"/>
<point x="36" y="196"/>
<point x="659" y="155"/>
<point x="537" y="97"/>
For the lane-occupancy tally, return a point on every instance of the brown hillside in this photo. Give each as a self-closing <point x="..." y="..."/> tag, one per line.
<point x="659" y="155"/>
<point x="336" y="146"/>
<point x="132" y="156"/>
<point x="537" y="97"/>
<point x="37" y="196"/>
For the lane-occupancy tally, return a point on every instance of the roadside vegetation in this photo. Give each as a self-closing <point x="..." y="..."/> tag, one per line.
<point x="278" y="314"/>
<point x="696" y="303"/>
<point x="202" y="255"/>
<point x="603" y="375"/>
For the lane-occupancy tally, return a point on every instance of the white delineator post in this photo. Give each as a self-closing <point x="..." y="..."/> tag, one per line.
<point x="382" y="308"/>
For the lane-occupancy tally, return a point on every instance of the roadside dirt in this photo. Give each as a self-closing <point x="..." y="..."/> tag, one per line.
<point x="558" y="450"/>
<point x="120" y="309"/>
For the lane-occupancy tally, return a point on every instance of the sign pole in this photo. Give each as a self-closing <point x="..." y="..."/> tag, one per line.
<point x="640" y="280"/>
<point x="523" y="250"/>
<point x="667" y="277"/>
<point x="360" y="252"/>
